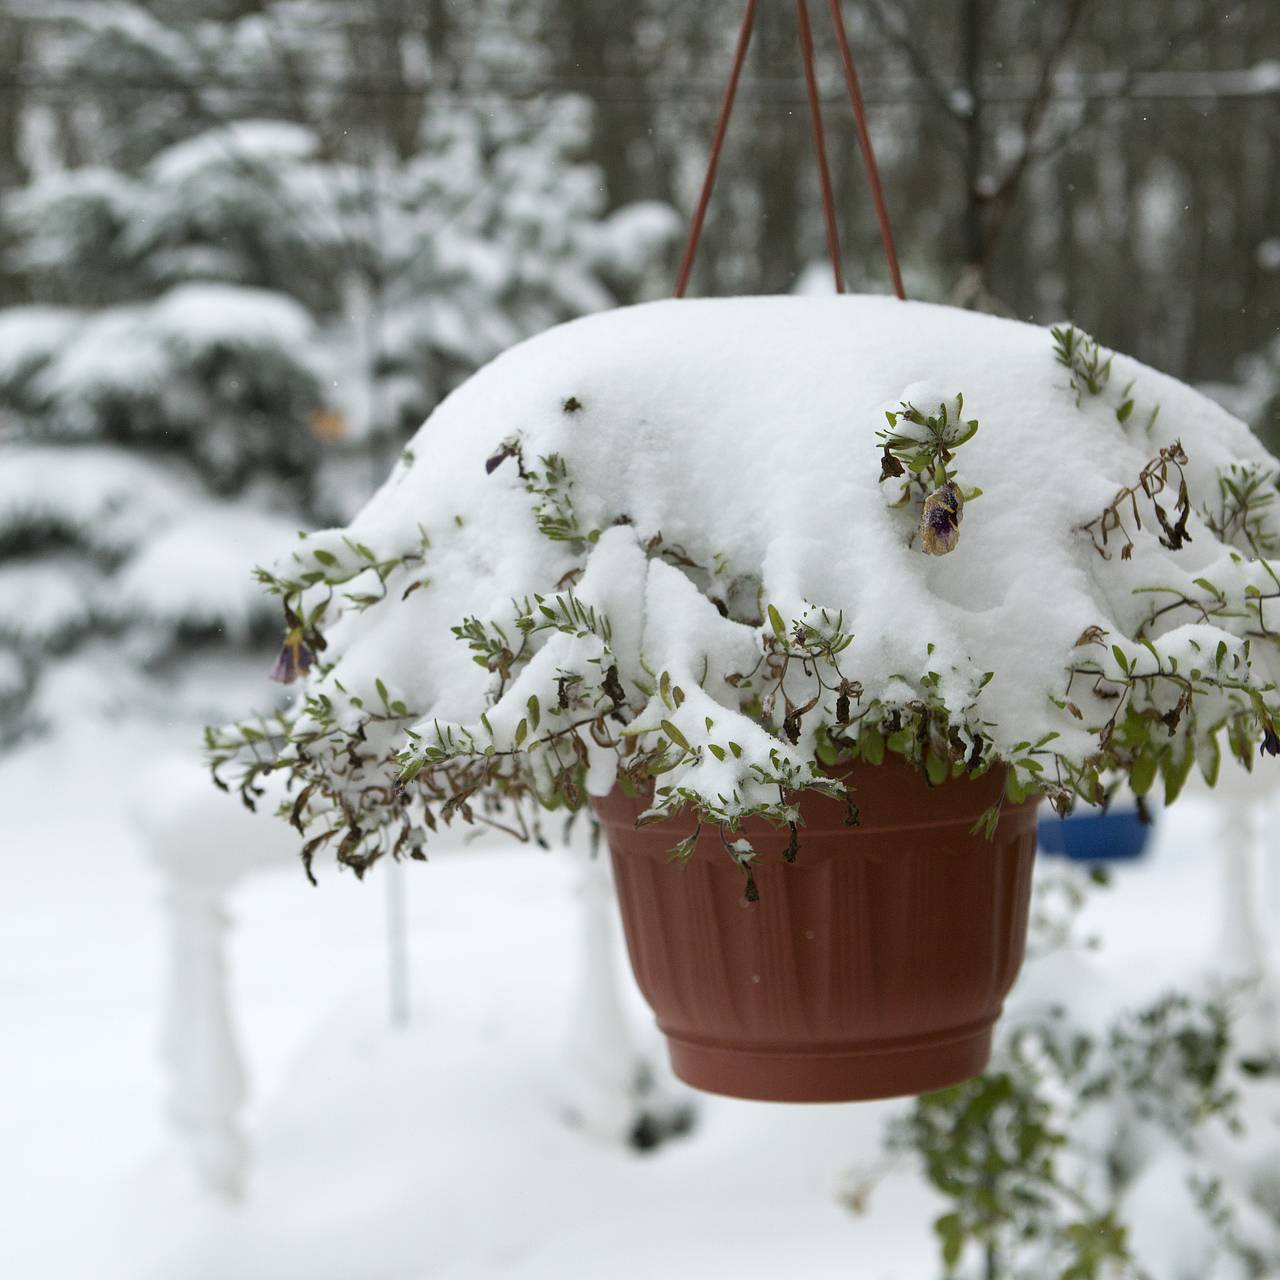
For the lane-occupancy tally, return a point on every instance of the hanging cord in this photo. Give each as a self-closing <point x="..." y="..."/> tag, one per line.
<point x="815" y="119"/>
<point x="819" y="142"/>
<point x="717" y="142"/>
<point x="868" y="152"/>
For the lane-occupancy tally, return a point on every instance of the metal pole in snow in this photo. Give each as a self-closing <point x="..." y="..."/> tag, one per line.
<point x="397" y="945"/>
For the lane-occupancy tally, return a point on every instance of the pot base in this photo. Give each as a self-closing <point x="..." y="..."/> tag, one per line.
<point x="841" y="1074"/>
<point x="873" y="964"/>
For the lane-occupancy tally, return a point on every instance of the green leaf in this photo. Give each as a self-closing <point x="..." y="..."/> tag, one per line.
<point x="951" y="1232"/>
<point x="535" y="710"/>
<point x="775" y="621"/>
<point x="1175" y="768"/>
<point x="871" y="743"/>
<point x="683" y="851"/>
<point x="522" y="731"/>
<point x="1123" y="412"/>
<point x="1143" y="773"/>
<point x="1209" y="758"/>
<point x="1015" y="790"/>
<point x="1121" y="660"/>
<point x="936" y="768"/>
<point x="675" y="735"/>
<point x="325" y="557"/>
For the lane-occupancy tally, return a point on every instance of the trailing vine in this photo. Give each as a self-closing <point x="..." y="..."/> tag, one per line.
<point x="772" y="699"/>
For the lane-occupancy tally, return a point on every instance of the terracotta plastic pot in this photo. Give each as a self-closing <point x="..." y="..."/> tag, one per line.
<point x="874" y="965"/>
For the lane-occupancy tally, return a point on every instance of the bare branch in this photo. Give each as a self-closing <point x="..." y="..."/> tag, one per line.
<point x="896" y="31"/>
<point x="1001" y="203"/>
<point x="1037" y="148"/>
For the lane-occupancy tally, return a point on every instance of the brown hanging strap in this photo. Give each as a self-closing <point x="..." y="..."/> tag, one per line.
<point x="868" y="151"/>
<point x="717" y="142"/>
<point x="815" y="120"/>
<point x="819" y="142"/>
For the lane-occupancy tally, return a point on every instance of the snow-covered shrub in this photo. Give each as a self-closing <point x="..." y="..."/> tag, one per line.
<point x="255" y="314"/>
<point x="1033" y="1157"/>
<point x="115" y="561"/>
<point x="222" y="372"/>
<point x="686" y="542"/>
<point x="1048" y="1163"/>
<point x="495" y="230"/>
<point x="1255" y="394"/>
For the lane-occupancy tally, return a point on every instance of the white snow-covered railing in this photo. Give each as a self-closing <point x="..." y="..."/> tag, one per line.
<point x="1246" y="948"/>
<point x="202" y="847"/>
<point x="204" y="843"/>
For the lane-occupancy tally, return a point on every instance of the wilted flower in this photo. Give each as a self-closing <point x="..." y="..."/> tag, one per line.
<point x="295" y="658"/>
<point x="1270" y="742"/>
<point x="507" y="449"/>
<point x="940" y="519"/>
<point x="889" y="466"/>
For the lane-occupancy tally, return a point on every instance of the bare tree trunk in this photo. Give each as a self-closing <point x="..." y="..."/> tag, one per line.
<point x="601" y="58"/>
<point x="13" y="169"/>
<point x="377" y="45"/>
<point x="972" y="19"/>
<point x="782" y="157"/>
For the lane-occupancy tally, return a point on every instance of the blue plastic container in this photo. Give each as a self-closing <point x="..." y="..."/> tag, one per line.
<point x="1090" y="835"/>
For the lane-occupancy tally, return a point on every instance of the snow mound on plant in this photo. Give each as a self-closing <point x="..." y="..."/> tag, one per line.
<point x="710" y="469"/>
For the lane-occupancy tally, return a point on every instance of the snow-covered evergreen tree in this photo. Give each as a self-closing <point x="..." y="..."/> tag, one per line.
<point x="233" y="319"/>
<point x="1255" y="395"/>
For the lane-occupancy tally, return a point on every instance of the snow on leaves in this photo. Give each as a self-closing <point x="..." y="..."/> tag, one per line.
<point x="678" y="652"/>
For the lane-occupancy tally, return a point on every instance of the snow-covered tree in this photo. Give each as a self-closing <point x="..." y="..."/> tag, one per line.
<point x="234" y="317"/>
<point x="1255" y="395"/>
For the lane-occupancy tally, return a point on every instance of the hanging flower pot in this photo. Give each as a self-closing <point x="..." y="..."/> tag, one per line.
<point x="849" y="581"/>
<point x="874" y="964"/>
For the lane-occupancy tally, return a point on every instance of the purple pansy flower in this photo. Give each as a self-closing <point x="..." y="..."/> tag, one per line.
<point x="295" y="658"/>
<point x="940" y="519"/>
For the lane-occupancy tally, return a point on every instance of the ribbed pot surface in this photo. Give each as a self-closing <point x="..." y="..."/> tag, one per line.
<point x="874" y="965"/>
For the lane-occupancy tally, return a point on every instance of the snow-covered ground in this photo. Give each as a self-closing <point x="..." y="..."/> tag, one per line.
<point x="433" y="1152"/>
